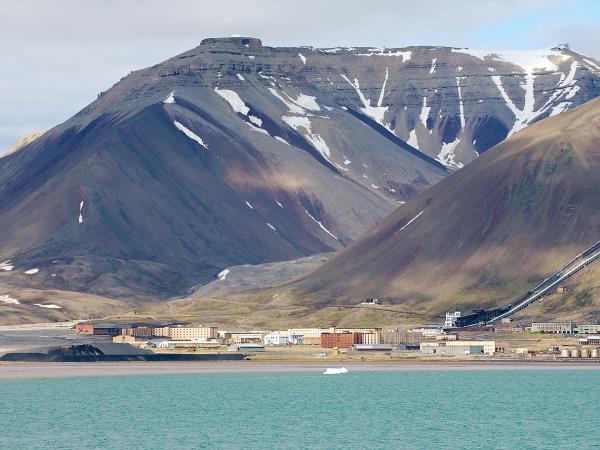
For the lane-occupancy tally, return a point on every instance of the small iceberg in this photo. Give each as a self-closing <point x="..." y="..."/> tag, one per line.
<point x="335" y="371"/>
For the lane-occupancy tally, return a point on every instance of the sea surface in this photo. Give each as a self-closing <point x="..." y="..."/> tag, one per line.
<point x="369" y="410"/>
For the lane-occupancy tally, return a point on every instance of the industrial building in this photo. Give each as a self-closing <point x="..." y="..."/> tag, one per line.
<point x="554" y="327"/>
<point x="588" y="329"/>
<point x="459" y="347"/>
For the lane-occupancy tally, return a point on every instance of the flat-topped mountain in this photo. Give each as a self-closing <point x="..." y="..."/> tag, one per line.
<point x="238" y="153"/>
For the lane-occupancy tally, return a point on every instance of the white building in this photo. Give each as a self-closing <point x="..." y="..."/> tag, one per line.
<point x="283" y="338"/>
<point x="451" y="319"/>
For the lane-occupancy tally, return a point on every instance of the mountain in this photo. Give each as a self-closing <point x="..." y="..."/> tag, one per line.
<point x="25" y="140"/>
<point x="237" y="153"/>
<point x="484" y="235"/>
<point x="189" y="167"/>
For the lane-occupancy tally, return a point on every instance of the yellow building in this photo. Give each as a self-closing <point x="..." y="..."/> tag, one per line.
<point x="188" y="333"/>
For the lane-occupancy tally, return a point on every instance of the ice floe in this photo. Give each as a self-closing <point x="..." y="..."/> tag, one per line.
<point x="189" y="133"/>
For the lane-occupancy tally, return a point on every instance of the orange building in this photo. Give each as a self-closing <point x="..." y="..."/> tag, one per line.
<point x="341" y="340"/>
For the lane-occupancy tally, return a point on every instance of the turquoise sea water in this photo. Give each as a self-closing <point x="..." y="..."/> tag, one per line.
<point x="417" y="410"/>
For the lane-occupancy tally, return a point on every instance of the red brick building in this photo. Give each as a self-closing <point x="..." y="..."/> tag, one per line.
<point x="341" y="340"/>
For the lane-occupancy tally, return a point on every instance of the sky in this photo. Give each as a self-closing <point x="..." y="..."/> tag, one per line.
<point x="58" y="55"/>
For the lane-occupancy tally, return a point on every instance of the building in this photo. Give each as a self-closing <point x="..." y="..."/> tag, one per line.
<point x="408" y="347"/>
<point x="100" y="329"/>
<point x="283" y="338"/>
<point x="340" y="340"/>
<point x="429" y="348"/>
<point x="188" y="333"/>
<point x="399" y="336"/>
<point x="246" y="338"/>
<point x="369" y="335"/>
<point x="248" y="347"/>
<point x="588" y="329"/>
<point x="428" y="332"/>
<point x="451" y="318"/>
<point x="590" y="340"/>
<point x="84" y="328"/>
<point x="125" y="339"/>
<point x="370" y="301"/>
<point x="310" y="332"/>
<point x="553" y="327"/>
<point x="372" y="347"/>
<point x="459" y="347"/>
<point x="371" y="338"/>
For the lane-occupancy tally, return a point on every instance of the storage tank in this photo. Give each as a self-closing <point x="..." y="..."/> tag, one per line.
<point x="564" y="353"/>
<point x="585" y="353"/>
<point x="575" y="353"/>
<point x="595" y="353"/>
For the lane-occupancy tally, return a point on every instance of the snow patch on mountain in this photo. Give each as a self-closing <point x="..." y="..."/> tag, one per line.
<point x="234" y="100"/>
<point x="411" y="220"/>
<point x="302" y="57"/>
<point x="377" y="112"/>
<point x="318" y="222"/>
<point x="170" y="98"/>
<point x="10" y="300"/>
<point x="385" y="52"/>
<point x="303" y="123"/>
<point x="425" y="113"/>
<point x="412" y="139"/>
<point x="47" y="306"/>
<point x="6" y="266"/>
<point x="80" y="220"/>
<point x="432" y="68"/>
<point x="193" y="136"/>
<point x="223" y="275"/>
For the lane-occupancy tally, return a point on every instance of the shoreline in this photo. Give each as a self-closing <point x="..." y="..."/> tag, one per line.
<point x="35" y="370"/>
